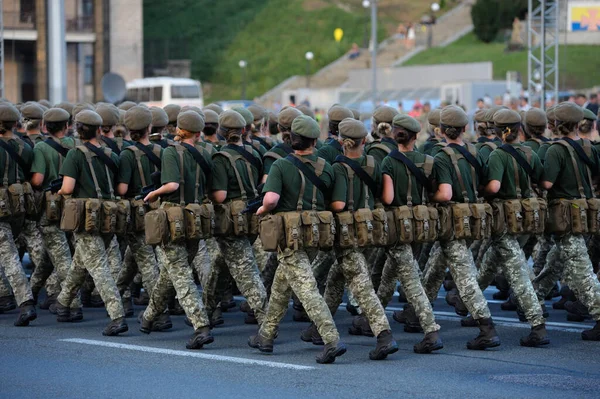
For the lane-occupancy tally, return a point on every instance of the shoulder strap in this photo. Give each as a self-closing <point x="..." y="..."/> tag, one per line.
<point x="57" y="146"/>
<point x="310" y="174"/>
<point x="454" y="158"/>
<point x="350" y="184"/>
<point x="209" y="147"/>
<point x="491" y="145"/>
<point x="111" y="144"/>
<point x="248" y="156"/>
<point x="468" y="154"/>
<point x="414" y="170"/>
<point x="272" y="154"/>
<point x="103" y="157"/>
<point x="232" y="160"/>
<point x="571" y="151"/>
<point x="15" y="156"/>
<point x="359" y="171"/>
<point x="89" y="155"/>
<point x="381" y="147"/>
<point x="520" y="160"/>
<point x="152" y="157"/>
<point x="335" y="144"/>
<point x="580" y="151"/>
<point x="138" y="159"/>
<point x="199" y="158"/>
<point x="262" y="141"/>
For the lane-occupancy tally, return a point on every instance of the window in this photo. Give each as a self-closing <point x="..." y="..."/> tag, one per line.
<point x="185" y="91"/>
<point x="157" y="93"/>
<point x="132" y="95"/>
<point x="27" y="14"/>
<point x="144" y="95"/>
<point x="88" y="70"/>
<point x="87" y="8"/>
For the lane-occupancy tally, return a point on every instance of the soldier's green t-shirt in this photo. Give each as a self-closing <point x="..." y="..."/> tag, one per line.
<point x="47" y="161"/>
<point x="129" y="172"/>
<point x="76" y="166"/>
<point x="444" y="173"/>
<point x="400" y="175"/>
<point x="558" y="169"/>
<point x="224" y="178"/>
<point x="428" y="145"/>
<point x="36" y="138"/>
<point x="217" y="146"/>
<point x="341" y="190"/>
<point x="378" y="153"/>
<point x="543" y="150"/>
<point x="501" y="167"/>
<point x="319" y="144"/>
<point x="486" y="148"/>
<point x="171" y="173"/>
<point x="330" y="150"/>
<point x="261" y="149"/>
<point x="279" y="149"/>
<point x="14" y="169"/>
<point x="534" y="145"/>
<point x="208" y="147"/>
<point x="437" y="147"/>
<point x="284" y="179"/>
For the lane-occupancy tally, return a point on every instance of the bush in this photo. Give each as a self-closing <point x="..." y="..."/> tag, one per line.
<point x="490" y="16"/>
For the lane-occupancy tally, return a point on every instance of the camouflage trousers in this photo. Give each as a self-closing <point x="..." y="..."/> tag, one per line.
<point x="91" y="255"/>
<point x="140" y="257"/>
<point x="424" y="255"/>
<point x="549" y="275"/>
<point x="11" y="267"/>
<point x="260" y="255"/>
<point x="351" y="269"/>
<point x="268" y="273"/>
<point x="238" y="259"/>
<point x="214" y="275"/>
<point x="435" y="270"/>
<point x="507" y="252"/>
<point x="401" y="265"/>
<point x="294" y="274"/>
<point x="177" y="272"/>
<point x="456" y="255"/>
<point x="321" y="265"/>
<point x="31" y="237"/>
<point x="5" y="289"/>
<point x="376" y="258"/>
<point x="545" y="243"/>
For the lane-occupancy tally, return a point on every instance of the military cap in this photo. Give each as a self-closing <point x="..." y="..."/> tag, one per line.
<point x="306" y="111"/>
<point x="210" y="116"/>
<point x="489" y="115"/>
<point x="453" y="116"/>
<point x="434" y="117"/>
<point x="352" y="128"/>
<point x="231" y="120"/>
<point x="550" y="113"/>
<point x="273" y="117"/>
<point x="337" y="113"/>
<point x="245" y="113"/>
<point x="125" y="105"/>
<point x="89" y="117"/>
<point x="506" y="117"/>
<point x="32" y="111"/>
<point x="192" y="108"/>
<point x="137" y="118"/>
<point x="81" y="107"/>
<point x="257" y="111"/>
<point x="66" y="106"/>
<point x="355" y="113"/>
<point x="122" y="116"/>
<point x="568" y="112"/>
<point x="190" y="121"/>
<point x="45" y="103"/>
<point x="215" y="107"/>
<point x="159" y="117"/>
<point x="480" y="116"/>
<point x="535" y="117"/>
<point x="287" y="116"/>
<point x="110" y="116"/>
<point x="306" y="126"/>
<point x="407" y="122"/>
<point x="384" y="114"/>
<point x="9" y="113"/>
<point x="172" y="111"/>
<point x="587" y="114"/>
<point x="56" y="115"/>
<point x="142" y="105"/>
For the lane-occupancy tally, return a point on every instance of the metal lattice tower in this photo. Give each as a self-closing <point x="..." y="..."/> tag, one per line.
<point x="542" y="43"/>
<point x="1" y="51"/>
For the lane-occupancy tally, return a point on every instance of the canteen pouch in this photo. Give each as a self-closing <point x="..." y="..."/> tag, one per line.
<point x="404" y="224"/>
<point x="310" y="229"/>
<point x="93" y="210"/>
<point x="345" y="227"/>
<point x="223" y="225"/>
<point x="157" y="227"/>
<point x="593" y="215"/>
<point x="498" y="218"/>
<point x="73" y="215"/>
<point x="559" y="218"/>
<point x="363" y="223"/>
<point x="32" y="207"/>
<point x="108" y="224"/>
<point x="17" y="199"/>
<point x="579" y="219"/>
<point x="53" y="207"/>
<point x="193" y="224"/>
<point x="380" y="227"/>
<point x="240" y="220"/>
<point x="446" y="225"/>
<point x="138" y="213"/>
<point x="176" y="221"/>
<point x="5" y="208"/>
<point x="425" y="226"/>
<point x="271" y="232"/>
<point x="461" y="219"/>
<point x="123" y="217"/>
<point x="481" y="224"/>
<point x="513" y="212"/>
<point x="392" y="229"/>
<point x="207" y="218"/>
<point x="534" y="215"/>
<point x="292" y="223"/>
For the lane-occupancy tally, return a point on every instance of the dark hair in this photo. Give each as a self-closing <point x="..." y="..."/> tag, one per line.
<point x="565" y="128"/>
<point x="403" y="136"/>
<point x="334" y="128"/>
<point x="136" y="135"/>
<point x="273" y="128"/>
<point x="452" y="132"/>
<point x="301" y="143"/>
<point x="157" y="129"/>
<point x="231" y="135"/>
<point x="509" y="133"/>
<point x="120" y="131"/>
<point x="6" y="126"/>
<point x="586" y="126"/>
<point x="210" y="129"/>
<point x="86" y="132"/>
<point x="534" y="131"/>
<point x="106" y="128"/>
<point x="55" y="127"/>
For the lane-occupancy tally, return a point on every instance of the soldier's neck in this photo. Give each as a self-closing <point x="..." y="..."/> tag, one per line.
<point x="144" y="140"/>
<point x="213" y="138"/>
<point x="109" y="135"/>
<point x="308" y="151"/>
<point x="33" y="132"/>
<point x="59" y="135"/>
<point x="355" y="153"/>
<point x="94" y="141"/>
<point x="406" y="147"/>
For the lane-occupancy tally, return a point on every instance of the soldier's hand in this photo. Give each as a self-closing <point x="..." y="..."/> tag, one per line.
<point x="151" y="197"/>
<point x="261" y="211"/>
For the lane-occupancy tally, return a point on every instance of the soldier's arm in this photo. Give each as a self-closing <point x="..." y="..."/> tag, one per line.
<point x="387" y="194"/>
<point x="68" y="186"/>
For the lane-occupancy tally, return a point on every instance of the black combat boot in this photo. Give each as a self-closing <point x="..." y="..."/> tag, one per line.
<point x="261" y="343"/>
<point x="503" y="288"/>
<point x="523" y="318"/>
<point x="577" y="311"/>
<point x="431" y="342"/>
<point x="537" y="337"/>
<point x="451" y="297"/>
<point x="311" y="334"/>
<point x="26" y="314"/>
<point x="96" y="301"/>
<point x="7" y="303"/>
<point x="448" y="283"/>
<point x="200" y="338"/>
<point x="141" y="300"/>
<point x="510" y="305"/>
<point x="330" y="352"/>
<point x="412" y="323"/>
<point x="353" y="310"/>
<point x="216" y="319"/>
<point x="245" y="307"/>
<point x="76" y="314"/>
<point x="50" y="299"/>
<point x="63" y="313"/>
<point x="401" y="295"/>
<point x="115" y="327"/>
<point x="251" y="318"/>
<point x="554" y="292"/>
<point x="187" y="322"/>
<point x="228" y="304"/>
<point x="86" y="298"/>
<point x="127" y="306"/>
<point x="460" y="308"/>
<point x="487" y="338"/>
<point x="146" y="326"/>
<point x="592" y="334"/>
<point x="386" y="345"/>
<point x="162" y="322"/>
<point x="301" y="316"/>
<point x="468" y="321"/>
<point x="360" y="326"/>
<point x="175" y="308"/>
<point x="566" y="296"/>
<point x="400" y="315"/>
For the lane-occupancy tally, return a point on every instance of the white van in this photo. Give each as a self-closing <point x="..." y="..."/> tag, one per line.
<point x="161" y="91"/>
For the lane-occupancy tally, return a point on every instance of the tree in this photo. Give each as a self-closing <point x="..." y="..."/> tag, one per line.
<point x="485" y="16"/>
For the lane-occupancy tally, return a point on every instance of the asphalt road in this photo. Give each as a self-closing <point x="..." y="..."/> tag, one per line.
<point x="52" y="360"/>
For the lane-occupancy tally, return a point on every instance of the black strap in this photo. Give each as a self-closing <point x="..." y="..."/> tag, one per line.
<point x="390" y="141"/>
<point x="247" y="156"/>
<point x="151" y="155"/>
<point x="416" y="172"/>
<point x="103" y="157"/>
<point x="468" y="156"/>
<point x="520" y="160"/>
<point x="112" y="145"/>
<point x="16" y="157"/>
<point x="581" y="152"/>
<point x="286" y="148"/>
<point x="335" y="144"/>
<point x="263" y="142"/>
<point x="27" y="140"/>
<point x="59" y="148"/>
<point x="199" y="158"/>
<point x="360" y="172"/>
<point x="310" y="174"/>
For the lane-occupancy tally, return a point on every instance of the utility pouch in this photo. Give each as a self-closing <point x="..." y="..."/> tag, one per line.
<point x="579" y="219"/>
<point x="513" y="212"/>
<point x="310" y="229"/>
<point x="363" y="223"/>
<point x="559" y="217"/>
<point x="5" y="208"/>
<point x="17" y="199"/>
<point x="93" y="210"/>
<point x="199" y="221"/>
<point x="176" y="223"/>
<point x="461" y="220"/>
<point x="481" y="223"/>
<point x="594" y="215"/>
<point x="271" y="232"/>
<point x="73" y="215"/>
<point x="425" y="220"/>
<point x="123" y="217"/>
<point x="32" y="205"/>
<point x="108" y="224"/>
<point x="239" y="219"/>
<point x="404" y="224"/>
<point x="207" y="218"/>
<point x="345" y="228"/>
<point x="326" y="230"/>
<point x="157" y="227"/>
<point x="223" y="225"/>
<point x="138" y="213"/>
<point x="446" y="226"/>
<point x="534" y="215"/>
<point x="292" y="224"/>
<point x="53" y="206"/>
<point x="392" y="229"/>
<point x="380" y="227"/>
<point x="498" y="218"/>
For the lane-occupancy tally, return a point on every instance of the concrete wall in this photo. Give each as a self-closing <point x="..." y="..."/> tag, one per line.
<point x="126" y="38"/>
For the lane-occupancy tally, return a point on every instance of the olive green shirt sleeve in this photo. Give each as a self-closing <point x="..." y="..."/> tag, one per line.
<point x="170" y="170"/>
<point x="71" y="166"/>
<point x="274" y="183"/>
<point x="220" y="178"/>
<point x="39" y="161"/>
<point x="127" y="167"/>
<point x="340" y="186"/>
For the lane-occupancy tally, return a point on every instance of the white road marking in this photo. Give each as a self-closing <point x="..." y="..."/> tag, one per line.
<point x="206" y="356"/>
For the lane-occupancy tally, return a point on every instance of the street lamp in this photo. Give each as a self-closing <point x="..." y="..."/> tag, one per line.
<point x="373" y="46"/>
<point x="435" y="7"/>
<point x="243" y="64"/>
<point x="309" y="56"/>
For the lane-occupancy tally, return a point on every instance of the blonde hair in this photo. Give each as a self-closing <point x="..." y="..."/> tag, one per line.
<point x="181" y="134"/>
<point x="383" y="129"/>
<point x="350" y="144"/>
